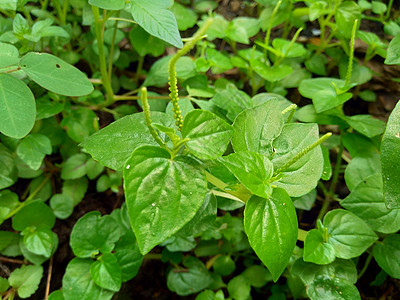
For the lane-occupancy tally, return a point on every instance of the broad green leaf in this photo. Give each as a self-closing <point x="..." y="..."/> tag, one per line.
<point x="11" y="242"/>
<point x="289" y="49"/>
<point x="78" y="284"/>
<point x="114" y="144"/>
<point x="302" y="176"/>
<point x="340" y="268"/>
<point x="128" y="255"/>
<point x="144" y="43"/>
<point x="366" y="125"/>
<point x="252" y="169"/>
<point x="8" y="170"/>
<point x="178" y="243"/>
<point x="20" y="26"/>
<point x="316" y="250"/>
<point x="8" y="55"/>
<point x="93" y="234"/>
<point x="159" y="210"/>
<point x="25" y="280"/>
<point x="56" y="295"/>
<point x="366" y="201"/>
<point x="393" y="51"/>
<point x="9" y="4"/>
<point x="305" y="202"/>
<point x="257" y="275"/>
<point x="208" y="134"/>
<point x="17" y="107"/>
<point x="185" y="17"/>
<point x="256" y="128"/>
<point x="8" y="202"/>
<point x="157" y="20"/>
<point x="271" y="226"/>
<point x="195" y="278"/>
<point x="4" y="285"/>
<point x="325" y="287"/>
<point x="46" y="108"/>
<point x="33" y="149"/>
<point x="386" y="254"/>
<point x="106" y="272"/>
<point x="75" y="189"/>
<point x="218" y="60"/>
<point x="34" y="214"/>
<point x="39" y="240"/>
<point x="224" y="265"/>
<point x="390" y="147"/>
<point x="55" y="75"/>
<point x="346" y="13"/>
<point x="239" y="288"/>
<point x="361" y="167"/>
<point x="349" y="235"/>
<point x="233" y="101"/>
<point x="93" y="169"/>
<point x="80" y="123"/>
<point x="323" y="92"/>
<point x="74" y="167"/>
<point x="36" y="258"/>
<point x="272" y="74"/>
<point x="62" y="206"/>
<point x="108" y="4"/>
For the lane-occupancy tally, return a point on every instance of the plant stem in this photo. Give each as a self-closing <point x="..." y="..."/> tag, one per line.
<point x="110" y="58"/>
<point x="336" y="170"/>
<point x="152" y="256"/>
<point x="12" y="261"/>
<point x="102" y="58"/>
<point x="366" y="264"/>
<point x="302" y="153"/>
<point x="211" y="261"/>
<point x="50" y="270"/>
<point x="271" y="22"/>
<point x="139" y="69"/>
<point x="301" y="235"/>
<point x="389" y="7"/>
<point x="173" y="82"/>
<point x="324" y="208"/>
<point x="226" y="195"/>
<point x="222" y="185"/>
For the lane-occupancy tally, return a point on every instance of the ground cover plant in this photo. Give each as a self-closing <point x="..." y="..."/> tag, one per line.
<point x="199" y="149"/>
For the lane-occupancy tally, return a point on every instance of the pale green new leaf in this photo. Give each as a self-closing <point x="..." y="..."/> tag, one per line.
<point x="25" y="280"/>
<point x="114" y="144"/>
<point x="162" y="194"/>
<point x="349" y="235"/>
<point x="55" y="75"/>
<point x="390" y="149"/>
<point x="17" y="107"/>
<point x="316" y="250"/>
<point x="39" y="241"/>
<point x="252" y="169"/>
<point x="106" y="272"/>
<point x="157" y="20"/>
<point x="33" y="149"/>
<point x="208" y="134"/>
<point x="271" y="226"/>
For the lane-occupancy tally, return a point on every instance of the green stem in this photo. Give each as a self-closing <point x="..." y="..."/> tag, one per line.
<point x="351" y="54"/>
<point x="222" y="185"/>
<point x="324" y="208"/>
<point x="64" y="12"/>
<point x="139" y="69"/>
<point x="110" y="59"/>
<point x="293" y="40"/>
<point x="173" y="82"/>
<point x="45" y="3"/>
<point x="389" y="7"/>
<point x="336" y="170"/>
<point x="146" y="110"/>
<point x="367" y="261"/>
<point x="302" y="153"/>
<point x="271" y="22"/>
<point x="102" y="58"/>
<point x="301" y="235"/>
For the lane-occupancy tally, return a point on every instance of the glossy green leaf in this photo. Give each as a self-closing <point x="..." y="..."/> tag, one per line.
<point x="208" y="134"/>
<point x="144" y="43"/>
<point x="34" y="214"/>
<point x="8" y="170"/>
<point x="55" y="75"/>
<point x="316" y="250"/>
<point x="185" y="17"/>
<point x="33" y="149"/>
<point x="323" y="92"/>
<point x="56" y="295"/>
<point x="39" y="241"/>
<point x="194" y="279"/>
<point x="74" y="167"/>
<point x="393" y="51"/>
<point x="8" y="202"/>
<point x="93" y="234"/>
<point x="25" y="280"/>
<point x="62" y="206"/>
<point x="273" y="73"/>
<point x="114" y="144"/>
<point x="347" y="12"/>
<point x="108" y="4"/>
<point x="366" y="201"/>
<point x="325" y="287"/>
<point x="302" y="176"/>
<point x="256" y="128"/>
<point x="340" y="268"/>
<point x="361" y="167"/>
<point x="75" y="189"/>
<point x="386" y="254"/>
<point x="128" y="255"/>
<point x="106" y="272"/>
<point x="257" y="275"/>
<point x="78" y="284"/>
<point x="389" y="159"/>
<point x="178" y="243"/>
<point x="366" y="125"/>
<point x="349" y="235"/>
<point x="8" y="55"/>
<point x="157" y="20"/>
<point x="271" y="226"/>
<point x="252" y="169"/>
<point x="239" y="288"/>
<point x="159" y="210"/>
<point x="17" y="107"/>
<point x="233" y="101"/>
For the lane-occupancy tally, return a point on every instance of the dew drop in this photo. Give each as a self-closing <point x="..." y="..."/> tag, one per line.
<point x="190" y="193"/>
<point x="398" y="135"/>
<point x="387" y="178"/>
<point x="153" y="204"/>
<point x="284" y="204"/>
<point x="128" y="166"/>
